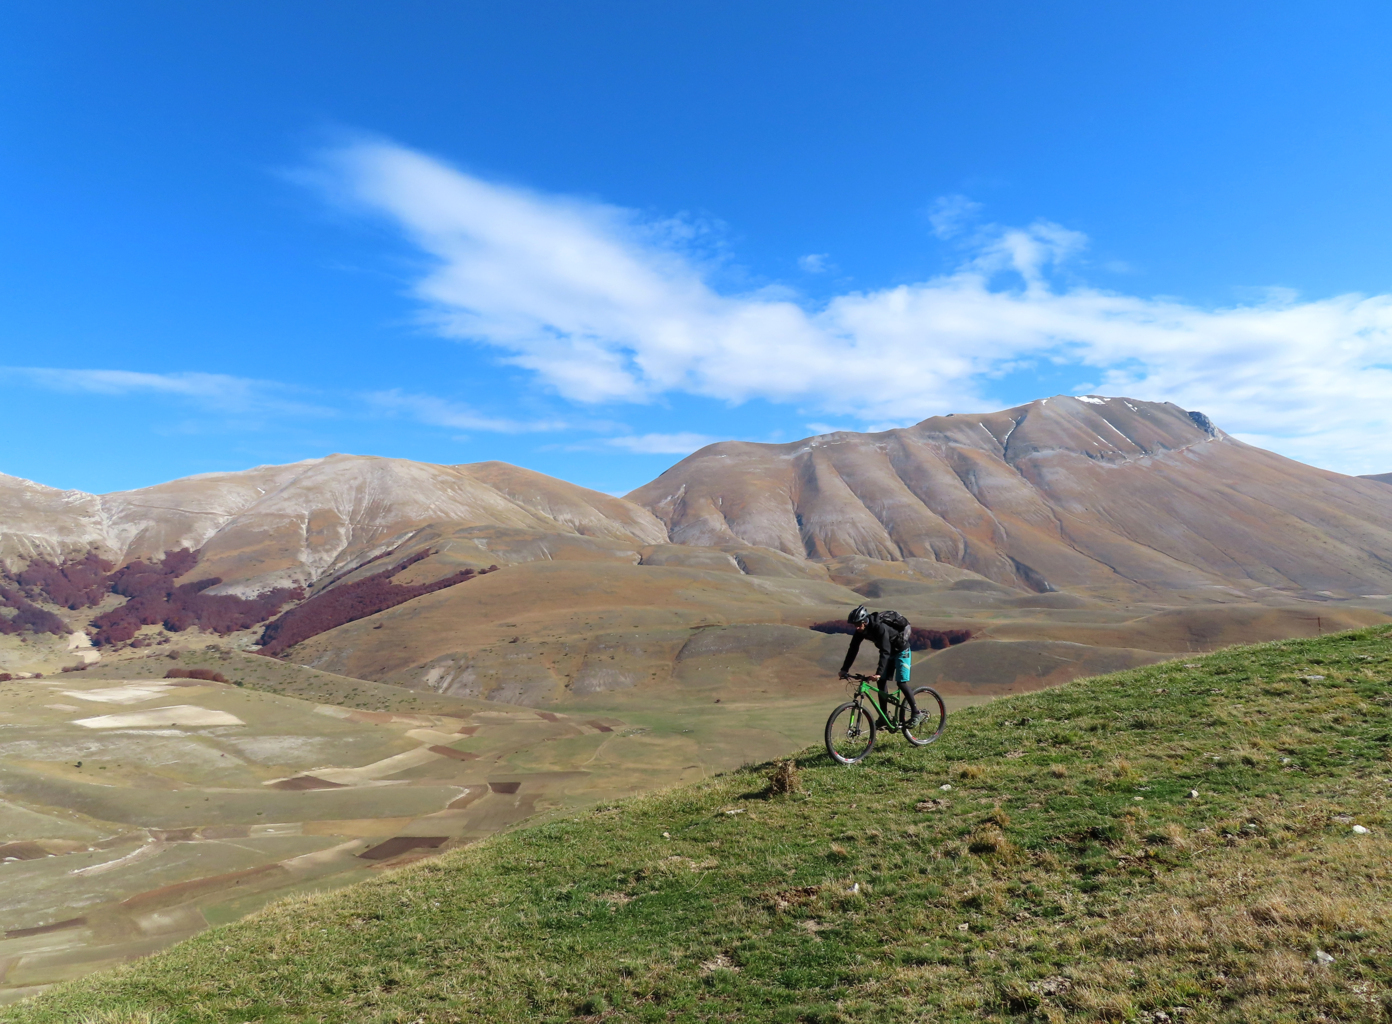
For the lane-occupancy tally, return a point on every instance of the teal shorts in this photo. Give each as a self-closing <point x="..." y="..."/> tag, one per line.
<point x="905" y="663"/>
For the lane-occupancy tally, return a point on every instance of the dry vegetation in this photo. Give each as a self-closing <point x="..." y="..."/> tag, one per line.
<point x="348" y="602"/>
<point x="1197" y="841"/>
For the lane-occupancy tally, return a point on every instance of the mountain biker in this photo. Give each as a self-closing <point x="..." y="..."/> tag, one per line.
<point x="889" y="632"/>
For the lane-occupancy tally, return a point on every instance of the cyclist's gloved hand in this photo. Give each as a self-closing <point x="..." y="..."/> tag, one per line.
<point x="844" y="675"/>
<point x="873" y="678"/>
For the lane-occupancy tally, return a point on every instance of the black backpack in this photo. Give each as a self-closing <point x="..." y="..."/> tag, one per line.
<point x="894" y="620"/>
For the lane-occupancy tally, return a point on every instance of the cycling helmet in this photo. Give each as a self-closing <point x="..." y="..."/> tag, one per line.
<point x="858" y="616"/>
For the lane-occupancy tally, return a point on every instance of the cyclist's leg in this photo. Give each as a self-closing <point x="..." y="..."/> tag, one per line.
<point x="903" y="664"/>
<point x="884" y="697"/>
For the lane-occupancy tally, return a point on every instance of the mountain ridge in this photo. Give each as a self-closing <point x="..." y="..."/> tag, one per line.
<point x="1066" y="520"/>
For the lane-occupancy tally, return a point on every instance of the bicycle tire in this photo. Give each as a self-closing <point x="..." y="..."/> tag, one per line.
<point x="905" y="718"/>
<point x="844" y="730"/>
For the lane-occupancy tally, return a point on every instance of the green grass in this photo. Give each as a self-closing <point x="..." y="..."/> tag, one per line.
<point x="1037" y="887"/>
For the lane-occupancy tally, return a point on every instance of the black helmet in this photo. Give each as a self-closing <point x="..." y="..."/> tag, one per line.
<point x="858" y="616"/>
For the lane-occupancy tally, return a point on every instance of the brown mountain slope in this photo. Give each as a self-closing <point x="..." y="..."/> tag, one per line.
<point x="1382" y="478"/>
<point x="1113" y="495"/>
<point x="287" y="525"/>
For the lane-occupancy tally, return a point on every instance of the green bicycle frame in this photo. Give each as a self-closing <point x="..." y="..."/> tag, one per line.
<point x="870" y="691"/>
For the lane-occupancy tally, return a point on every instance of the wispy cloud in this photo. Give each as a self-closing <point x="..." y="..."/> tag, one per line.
<point x="582" y="295"/>
<point x="949" y="216"/>
<point x="215" y="392"/>
<point x="440" y="412"/>
<point x="815" y="262"/>
<point x="661" y="444"/>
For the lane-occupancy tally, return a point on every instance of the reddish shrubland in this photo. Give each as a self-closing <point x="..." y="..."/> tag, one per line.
<point x="154" y="598"/>
<point x="196" y="673"/>
<point x="80" y="583"/>
<point x="919" y="639"/>
<point x="27" y="615"/>
<point x="937" y="639"/>
<point x="349" y="602"/>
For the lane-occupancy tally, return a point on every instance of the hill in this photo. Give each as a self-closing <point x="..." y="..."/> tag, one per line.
<point x="1109" y="496"/>
<point x="1203" y="840"/>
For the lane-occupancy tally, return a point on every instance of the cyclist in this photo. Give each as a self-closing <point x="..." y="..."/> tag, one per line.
<point x="889" y="632"/>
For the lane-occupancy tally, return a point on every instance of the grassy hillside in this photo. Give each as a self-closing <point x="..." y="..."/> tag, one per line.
<point x="1069" y="873"/>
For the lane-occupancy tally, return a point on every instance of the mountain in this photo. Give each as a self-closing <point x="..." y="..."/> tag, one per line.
<point x="1104" y="495"/>
<point x="1385" y="478"/>
<point x="291" y="525"/>
<point x="1065" y="535"/>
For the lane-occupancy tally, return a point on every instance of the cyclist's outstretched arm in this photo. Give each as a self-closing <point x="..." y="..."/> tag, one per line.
<point x="851" y="653"/>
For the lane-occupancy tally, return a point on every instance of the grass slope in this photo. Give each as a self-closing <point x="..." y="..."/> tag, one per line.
<point x="1067" y="874"/>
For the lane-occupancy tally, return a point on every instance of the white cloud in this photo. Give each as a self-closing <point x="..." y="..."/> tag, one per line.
<point x="950" y="215"/>
<point x="581" y="294"/>
<point x="213" y="391"/>
<point x="439" y="412"/>
<point x="815" y="262"/>
<point x="662" y="444"/>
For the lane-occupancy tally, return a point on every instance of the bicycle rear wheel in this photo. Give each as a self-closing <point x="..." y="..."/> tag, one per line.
<point x="936" y="720"/>
<point x="850" y="733"/>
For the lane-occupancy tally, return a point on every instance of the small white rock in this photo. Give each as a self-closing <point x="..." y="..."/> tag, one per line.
<point x="964" y="927"/>
<point x="1193" y="794"/>
<point x="666" y="835"/>
<point x="1321" y="957"/>
<point x="1360" y="830"/>
<point x="946" y="786"/>
<point x="856" y="887"/>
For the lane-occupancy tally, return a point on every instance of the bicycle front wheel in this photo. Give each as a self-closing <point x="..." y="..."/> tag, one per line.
<point x="850" y="733"/>
<point x="932" y="726"/>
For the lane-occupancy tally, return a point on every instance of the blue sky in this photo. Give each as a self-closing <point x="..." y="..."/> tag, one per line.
<point x="588" y="237"/>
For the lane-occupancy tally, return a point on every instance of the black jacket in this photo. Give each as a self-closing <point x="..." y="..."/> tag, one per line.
<point x="889" y="641"/>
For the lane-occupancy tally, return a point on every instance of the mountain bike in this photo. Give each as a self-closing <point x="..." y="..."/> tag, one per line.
<point x="850" y="731"/>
